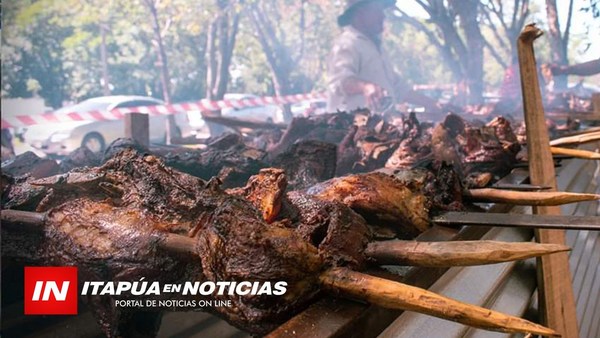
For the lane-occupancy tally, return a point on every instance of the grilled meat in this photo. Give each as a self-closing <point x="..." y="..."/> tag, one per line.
<point x="107" y="221"/>
<point x="113" y="222"/>
<point x="226" y="157"/>
<point x="402" y="199"/>
<point x="30" y="164"/>
<point x="339" y="234"/>
<point x="80" y="157"/>
<point x="265" y="191"/>
<point x="307" y="163"/>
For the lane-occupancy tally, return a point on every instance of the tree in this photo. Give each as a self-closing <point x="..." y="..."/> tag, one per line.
<point x="162" y="63"/>
<point x="285" y="41"/>
<point x="505" y="21"/>
<point x="558" y="40"/>
<point x="219" y="48"/>
<point x="458" y="37"/>
<point x="31" y="51"/>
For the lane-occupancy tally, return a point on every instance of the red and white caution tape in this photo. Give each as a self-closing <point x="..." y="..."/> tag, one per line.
<point x="119" y="113"/>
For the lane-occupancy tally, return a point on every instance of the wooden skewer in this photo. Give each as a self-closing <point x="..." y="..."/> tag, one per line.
<point x="376" y="290"/>
<point x="458" y="253"/>
<point x="34" y="221"/>
<point x="584" y="154"/>
<point x="178" y="243"/>
<point x="535" y="198"/>
<point x="23" y="219"/>
<point x="577" y="139"/>
<point x="583" y="131"/>
<point x="396" y="295"/>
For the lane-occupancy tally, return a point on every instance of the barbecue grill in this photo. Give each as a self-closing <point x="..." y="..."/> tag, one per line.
<point x="507" y="287"/>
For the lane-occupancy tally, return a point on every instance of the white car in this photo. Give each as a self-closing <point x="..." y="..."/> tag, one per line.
<point x="59" y="139"/>
<point x="268" y="113"/>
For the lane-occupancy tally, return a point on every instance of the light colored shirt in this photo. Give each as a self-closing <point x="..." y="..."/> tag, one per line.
<point x="354" y="55"/>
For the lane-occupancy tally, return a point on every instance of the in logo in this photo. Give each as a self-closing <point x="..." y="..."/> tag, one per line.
<point x="50" y="290"/>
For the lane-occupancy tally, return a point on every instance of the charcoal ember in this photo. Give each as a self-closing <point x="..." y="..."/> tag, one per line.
<point x="30" y="164"/>
<point x="80" y="157"/>
<point x="307" y="163"/>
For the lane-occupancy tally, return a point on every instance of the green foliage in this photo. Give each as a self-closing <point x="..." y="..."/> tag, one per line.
<point x="414" y="57"/>
<point x="54" y="48"/>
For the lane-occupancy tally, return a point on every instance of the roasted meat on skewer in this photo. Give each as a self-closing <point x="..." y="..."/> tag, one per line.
<point x="118" y="221"/>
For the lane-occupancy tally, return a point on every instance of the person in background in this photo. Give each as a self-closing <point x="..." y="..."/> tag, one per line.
<point x="582" y="69"/>
<point x="359" y="71"/>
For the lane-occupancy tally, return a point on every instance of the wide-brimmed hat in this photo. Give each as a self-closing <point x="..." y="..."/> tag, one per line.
<point x="352" y="5"/>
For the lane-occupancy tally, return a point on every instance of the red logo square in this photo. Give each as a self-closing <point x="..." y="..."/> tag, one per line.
<point x="50" y="290"/>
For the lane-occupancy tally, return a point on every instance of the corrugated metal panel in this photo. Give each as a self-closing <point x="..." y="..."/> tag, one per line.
<point x="511" y="293"/>
<point x="504" y="287"/>
<point x="475" y="285"/>
<point x="585" y="256"/>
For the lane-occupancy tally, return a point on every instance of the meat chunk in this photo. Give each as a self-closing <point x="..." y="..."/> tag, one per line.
<point x="307" y="163"/>
<point x="265" y="191"/>
<point x="109" y="220"/>
<point x="380" y="199"/>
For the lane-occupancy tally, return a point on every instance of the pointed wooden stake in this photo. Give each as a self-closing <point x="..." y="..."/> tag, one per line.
<point x="459" y="253"/>
<point x="577" y="139"/>
<point x="584" y="154"/>
<point x="28" y="221"/>
<point x="557" y="304"/>
<point x="396" y="295"/>
<point x="536" y="198"/>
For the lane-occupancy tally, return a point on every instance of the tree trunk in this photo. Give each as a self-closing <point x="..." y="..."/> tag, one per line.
<point x="220" y="43"/>
<point x="104" y="60"/>
<point x="468" y="11"/>
<point x="278" y="56"/>
<point x="171" y="127"/>
<point x="467" y="53"/>
<point x="558" y="53"/>
<point x="162" y="56"/>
